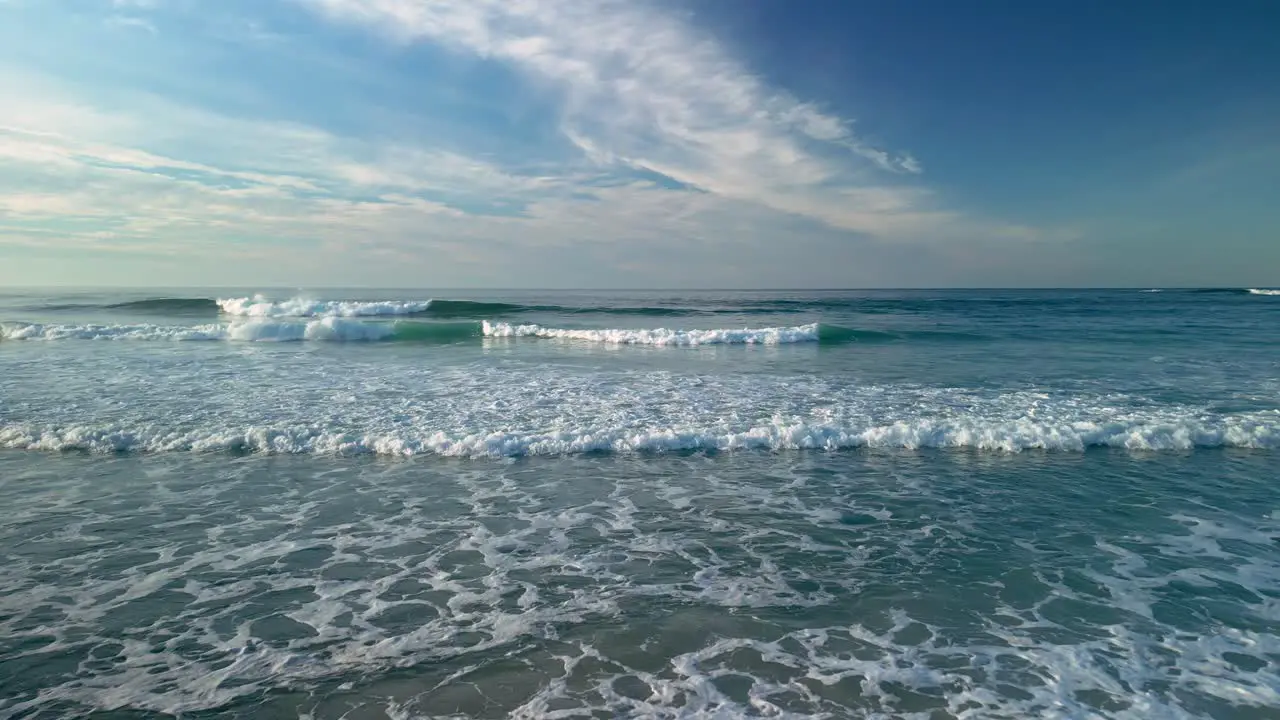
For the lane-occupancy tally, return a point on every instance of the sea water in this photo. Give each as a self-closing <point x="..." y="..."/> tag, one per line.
<point x="394" y="504"/>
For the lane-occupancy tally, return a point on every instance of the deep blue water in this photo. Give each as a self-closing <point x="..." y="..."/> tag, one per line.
<point x="718" y="504"/>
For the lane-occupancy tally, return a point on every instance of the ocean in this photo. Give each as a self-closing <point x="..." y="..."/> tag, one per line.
<point x="844" y="504"/>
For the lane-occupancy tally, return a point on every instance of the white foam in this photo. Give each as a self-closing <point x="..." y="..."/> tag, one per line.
<point x="779" y="435"/>
<point x="410" y="604"/>
<point x="259" y="306"/>
<point x="1257" y="291"/>
<point x="328" y="328"/>
<point x="39" y="331"/>
<point x="660" y="336"/>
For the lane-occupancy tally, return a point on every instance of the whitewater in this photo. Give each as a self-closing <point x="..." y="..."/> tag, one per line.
<point x="331" y="503"/>
<point x="338" y="329"/>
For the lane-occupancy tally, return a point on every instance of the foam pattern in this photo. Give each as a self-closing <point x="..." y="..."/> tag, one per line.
<point x="685" y="587"/>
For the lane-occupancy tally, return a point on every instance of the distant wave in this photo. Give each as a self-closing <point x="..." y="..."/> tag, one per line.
<point x="1218" y="291"/>
<point x="1215" y="291"/>
<point x="972" y="432"/>
<point x="298" y="307"/>
<point x="162" y="305"/>
<point x="259" y="306"/>
<point x="157" y="306"/>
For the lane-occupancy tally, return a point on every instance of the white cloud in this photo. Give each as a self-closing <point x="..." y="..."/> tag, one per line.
<point x="129" y="22"/>
<point x="83" y="179"/>
<point x="643" y="88"/>
<point x="88" y="168"/>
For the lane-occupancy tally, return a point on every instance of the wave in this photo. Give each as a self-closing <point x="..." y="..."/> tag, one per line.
<point x="338" y="329"/>
<point x="165" y="305"/>
<point x="158" y="306"/>
<point x="341" y="329"/>
<point x="1219" y="291"/>
<point x="260" y="307"/>
<point x="664" y="336"/>
<point x="960" y="433"/>
<point x="1257" y="291"/>
<point x="331" y="329"/>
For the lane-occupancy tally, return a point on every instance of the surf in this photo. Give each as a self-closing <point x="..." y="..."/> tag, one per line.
<point x="974" y="433"/>
<point x="327" y="329"/>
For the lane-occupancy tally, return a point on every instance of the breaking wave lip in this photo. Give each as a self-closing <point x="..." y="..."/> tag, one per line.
<point x="260" y="307"/>
<point x="973" y="434"/>
<point x="1263" y="291"/>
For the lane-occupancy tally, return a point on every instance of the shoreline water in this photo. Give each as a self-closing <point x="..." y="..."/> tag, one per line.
<point x="988" y="504"/>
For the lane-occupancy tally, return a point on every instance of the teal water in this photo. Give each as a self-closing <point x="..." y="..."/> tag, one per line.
<point x="877" y="504"/>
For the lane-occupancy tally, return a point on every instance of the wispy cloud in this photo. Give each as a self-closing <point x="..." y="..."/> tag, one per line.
<point x="129" y="22"/>
<point x="85" y="179"/>
<point x="681" y="168"/>
<point x="642" y="87"/>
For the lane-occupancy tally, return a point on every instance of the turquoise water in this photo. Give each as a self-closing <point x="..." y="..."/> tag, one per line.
<point x="877" y="504"/>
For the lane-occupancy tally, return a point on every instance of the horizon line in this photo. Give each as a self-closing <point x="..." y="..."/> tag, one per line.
<point x="4" y="288"/>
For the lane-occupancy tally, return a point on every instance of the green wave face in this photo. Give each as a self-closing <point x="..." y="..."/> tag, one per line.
<point x="435" y="332"/>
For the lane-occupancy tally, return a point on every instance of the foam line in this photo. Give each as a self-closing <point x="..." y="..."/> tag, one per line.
<point x="965" y="433"/>
<point x="661" y="336"/>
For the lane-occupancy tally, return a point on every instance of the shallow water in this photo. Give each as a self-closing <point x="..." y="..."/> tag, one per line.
<point x="967" y="506"/>
<point x="895" y="582"/>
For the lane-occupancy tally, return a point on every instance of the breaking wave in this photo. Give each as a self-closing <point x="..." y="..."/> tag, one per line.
<point x="975" y="433"/>
<point x="260" y="307"/>
<point x="663" y="336"/>
<point x="331" y="329"/>
<point x="1257" y="291"/>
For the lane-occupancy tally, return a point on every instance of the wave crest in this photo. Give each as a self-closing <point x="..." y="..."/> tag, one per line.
<point x="661" y="336"/>
<point x="779" y="435"/>
<point x="330" y="329"/>
<point x="260" y="307"/>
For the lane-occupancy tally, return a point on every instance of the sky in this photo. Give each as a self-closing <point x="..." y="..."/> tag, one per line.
<point x="639" y="143"/>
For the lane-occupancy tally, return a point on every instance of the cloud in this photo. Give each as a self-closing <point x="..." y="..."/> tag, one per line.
<point x="642" y="88"/>
<point x="84" y="179"/>
<point x="128" y="22"/>
<point x="683" y="168"/>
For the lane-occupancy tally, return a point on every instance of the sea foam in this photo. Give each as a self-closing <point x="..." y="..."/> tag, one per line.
<point x="661" y="336"/>
<point x="329" y="328"/>
<point x="259" y="306"/>
<point x="975" y="433"/>
<point x="1259" y="291"/>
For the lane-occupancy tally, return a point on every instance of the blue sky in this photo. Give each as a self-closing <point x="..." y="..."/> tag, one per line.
<point x="639" y="143"/>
